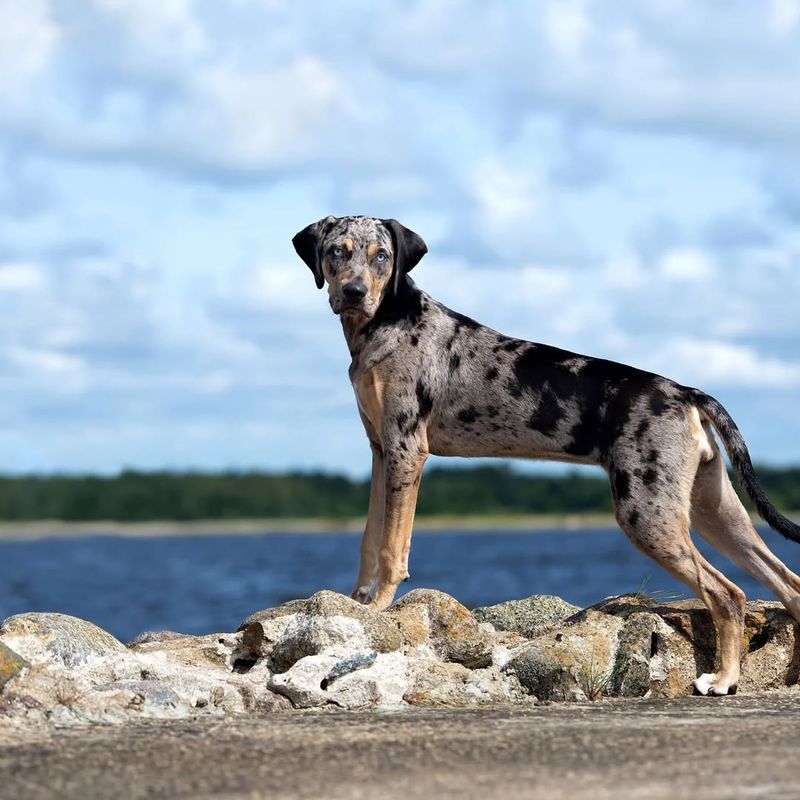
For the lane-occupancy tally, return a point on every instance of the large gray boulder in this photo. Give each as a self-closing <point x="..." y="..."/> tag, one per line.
<point x="528" y="615"/>
<point x="69" y="641"/>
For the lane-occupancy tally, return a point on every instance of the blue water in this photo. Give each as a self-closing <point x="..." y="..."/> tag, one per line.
<point x="204" y="584"/>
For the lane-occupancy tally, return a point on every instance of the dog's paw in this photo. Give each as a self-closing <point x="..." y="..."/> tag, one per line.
<point x="708" y="685"/>
<point x="363" y="594"/>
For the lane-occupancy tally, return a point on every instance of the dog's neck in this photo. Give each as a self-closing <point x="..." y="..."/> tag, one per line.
<point x="399" y="307"/>
<point x="352" y="326"/>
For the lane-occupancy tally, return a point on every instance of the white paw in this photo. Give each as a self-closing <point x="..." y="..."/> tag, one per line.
<point x="707" y="684"/>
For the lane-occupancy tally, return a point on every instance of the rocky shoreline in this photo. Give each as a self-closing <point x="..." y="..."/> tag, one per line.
<point x="426" y="651"/>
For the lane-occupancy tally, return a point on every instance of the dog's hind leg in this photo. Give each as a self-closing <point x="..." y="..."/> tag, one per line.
<point x="665" y="538"/>
<point x="720" y="518"/>
<point x="373" y="531"/>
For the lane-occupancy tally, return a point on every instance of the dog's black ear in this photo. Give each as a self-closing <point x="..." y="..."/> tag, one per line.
<point x="307" y="244"/>
<point x="408" y="249"/>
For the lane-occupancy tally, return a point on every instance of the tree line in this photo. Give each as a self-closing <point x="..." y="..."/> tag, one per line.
<point x="486" y="490"/>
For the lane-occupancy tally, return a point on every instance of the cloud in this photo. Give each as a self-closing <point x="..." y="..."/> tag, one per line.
<point x="171" y="85"/>
<point x="19" y="277"/>
<point x="686" y="265"/>
<point x="620" y="180"/>
<point x="725" y="364"/>
<point x="28" y="38"/>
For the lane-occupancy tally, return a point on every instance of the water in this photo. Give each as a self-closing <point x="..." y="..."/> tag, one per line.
<point x="204" y="584"/>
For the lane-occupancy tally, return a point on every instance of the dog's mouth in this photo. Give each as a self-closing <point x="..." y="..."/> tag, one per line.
<point x="352" y="310"/>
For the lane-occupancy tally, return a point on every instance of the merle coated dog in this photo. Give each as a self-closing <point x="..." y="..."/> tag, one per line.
<point x="430" y="380"/>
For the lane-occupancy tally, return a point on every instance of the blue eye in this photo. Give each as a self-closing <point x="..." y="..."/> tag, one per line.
<point x="337" y="252"/>
<point x="381" y="258"/>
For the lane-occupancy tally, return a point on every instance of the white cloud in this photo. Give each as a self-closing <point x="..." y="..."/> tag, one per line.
<point x="686" y="265"/>
<point x="784" y="16"/>
<point x="722" y="363"/>
<point x="624" y="271"/>
<point x="165" y="27"/>
<point x="507" y="199"/>
<point x="28" y="36"/>
<point x="19" y="277"/>
<point x="567" y="27"/>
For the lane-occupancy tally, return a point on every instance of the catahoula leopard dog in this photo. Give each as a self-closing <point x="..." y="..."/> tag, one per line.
<point x="430" y="380"/>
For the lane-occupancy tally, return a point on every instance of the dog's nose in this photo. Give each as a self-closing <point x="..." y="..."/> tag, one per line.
<point x="354" y="291"/>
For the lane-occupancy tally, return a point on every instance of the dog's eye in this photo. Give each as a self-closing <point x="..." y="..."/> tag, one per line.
<point x="337" y="252"/>
<point x="381" y="258"/>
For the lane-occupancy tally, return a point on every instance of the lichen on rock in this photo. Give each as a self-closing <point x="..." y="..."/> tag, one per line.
<point x="528" y="615"/>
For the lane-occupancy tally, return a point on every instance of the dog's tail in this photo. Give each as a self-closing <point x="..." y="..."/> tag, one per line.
<point x="743" y="467"/>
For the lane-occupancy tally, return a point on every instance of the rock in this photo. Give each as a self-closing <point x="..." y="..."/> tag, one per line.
<point x="347" y="666"/>
<point x="215" y="649"/>
<point x="318" y="680"/>
<point x="287" y="609"/>
<point x="11" y="665"/>
<point x="426" y="650"/>
<point x="527" y="615"/>
<point x="450" y="684"/>
<point x="45" y="638"/>
<point x="261" y="630"/>
<point x="574" y="662"/>
<point x="434" y="621"/>
<point x="772" y="642"/>
<point x="332" y="622"/>
<point x="154" y="636"/>
<point x="627" y="647"/>
<point x="155" y="692"/>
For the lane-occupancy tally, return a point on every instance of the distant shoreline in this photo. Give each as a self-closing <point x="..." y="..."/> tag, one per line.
<point x="42" y="529"/>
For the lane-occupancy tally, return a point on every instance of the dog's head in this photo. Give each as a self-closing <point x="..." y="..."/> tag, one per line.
<point x="360" y="258"/>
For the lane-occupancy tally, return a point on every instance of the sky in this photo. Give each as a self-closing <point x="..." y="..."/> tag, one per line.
<point x="621" y="179"/>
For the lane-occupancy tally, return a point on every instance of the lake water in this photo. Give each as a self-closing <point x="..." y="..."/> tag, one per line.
<point x="204" y="584"/>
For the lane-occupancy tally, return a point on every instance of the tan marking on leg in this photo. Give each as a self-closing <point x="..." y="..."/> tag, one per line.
<point x="373" y="531"/>
<point x="401" y="503"/>
<point x="369" y="388"/>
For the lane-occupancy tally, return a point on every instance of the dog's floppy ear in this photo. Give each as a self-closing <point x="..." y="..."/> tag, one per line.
<point x="307" y="244"/>
<point x="408" y="249"/>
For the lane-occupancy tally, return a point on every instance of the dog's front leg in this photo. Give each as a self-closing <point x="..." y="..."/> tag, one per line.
<point x="402" y="473"/>
<point x="371" y="540"/>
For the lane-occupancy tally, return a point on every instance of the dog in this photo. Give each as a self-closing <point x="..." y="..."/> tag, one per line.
<point x="431" y="380"/>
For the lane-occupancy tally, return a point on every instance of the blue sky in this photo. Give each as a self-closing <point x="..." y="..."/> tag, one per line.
<point x="620" y="179"/>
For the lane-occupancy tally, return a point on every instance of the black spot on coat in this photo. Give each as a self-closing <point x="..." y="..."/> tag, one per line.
<point x="649" y="476"/>
<point x="547" y="415"/>
<point x="424" y="400"/>
<point x="468" y="415"/>
<point x="621" y="483"/>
